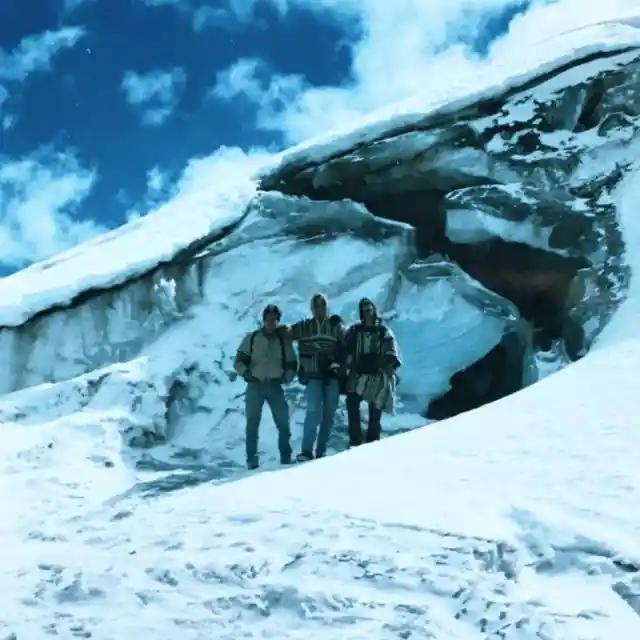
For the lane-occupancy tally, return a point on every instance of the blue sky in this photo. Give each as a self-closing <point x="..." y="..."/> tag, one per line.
<point x="104" y="102"/>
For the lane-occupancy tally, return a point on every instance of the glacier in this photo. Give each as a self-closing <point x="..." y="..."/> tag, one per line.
<point x="496" y="230"/>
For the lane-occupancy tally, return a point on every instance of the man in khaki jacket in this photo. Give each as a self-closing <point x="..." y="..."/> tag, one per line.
<point x="266" y="361"/>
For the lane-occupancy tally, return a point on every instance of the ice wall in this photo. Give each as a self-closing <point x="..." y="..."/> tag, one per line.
<point x="99" y="329"/>
<point x="157" y="351"/>
<point x="115" y="325"/>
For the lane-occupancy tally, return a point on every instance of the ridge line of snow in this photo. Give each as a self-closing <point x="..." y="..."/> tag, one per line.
<point x="122" y="254"/>
<point x="407" y="113"/>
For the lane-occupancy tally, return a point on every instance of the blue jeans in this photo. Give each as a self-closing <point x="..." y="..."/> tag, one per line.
<point x="323" y="397"/>
<point x="272" y="393"/>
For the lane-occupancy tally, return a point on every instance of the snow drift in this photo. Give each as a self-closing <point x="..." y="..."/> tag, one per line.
<point x="497" y="234"/>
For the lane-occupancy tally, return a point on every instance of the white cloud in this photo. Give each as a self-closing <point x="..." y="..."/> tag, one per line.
<point x="72" y="5"/>
<point x="402" y="48"/>
<point x="154" y="95"/>
<point x="35" y="53"/>
<point x="38" y="198"/>
<point x="38" y="195"/>
<point x="250" y="79"/>
<point x="157" y="181"/>
<point x="4" y="96"/>
<point x="226" y="11"/>
<point x="159" y="190"/>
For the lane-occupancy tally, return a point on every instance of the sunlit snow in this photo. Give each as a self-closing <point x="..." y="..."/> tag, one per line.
<point x="519" y="520"/>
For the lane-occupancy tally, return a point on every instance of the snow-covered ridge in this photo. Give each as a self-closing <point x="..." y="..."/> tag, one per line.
<point x="180" y="227"/>
<point x="549" y="57"/>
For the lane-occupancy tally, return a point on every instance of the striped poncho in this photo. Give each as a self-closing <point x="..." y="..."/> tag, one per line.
<point x="319" y="342"/>
<point x="378" y="340"/>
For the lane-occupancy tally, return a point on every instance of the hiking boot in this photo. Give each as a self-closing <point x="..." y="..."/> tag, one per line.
<point x="285" y="460"/>
<point x="253" y="464"/>
<point x="320" y="454"/>
<point x="304" y="456"/>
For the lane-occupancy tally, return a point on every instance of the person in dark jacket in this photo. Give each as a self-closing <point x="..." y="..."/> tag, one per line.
<point x="319" y="341"/>
<point x="266" y="360"/>
<point x="371" y="360"/>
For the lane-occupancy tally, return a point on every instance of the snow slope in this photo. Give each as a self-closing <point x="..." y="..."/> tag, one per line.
<point x="516" y="521"/>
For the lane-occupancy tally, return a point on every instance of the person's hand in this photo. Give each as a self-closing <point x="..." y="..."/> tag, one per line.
<point x="386" y="365"/>
<point x="249" y="378"/>
<point x="283" y="329"/>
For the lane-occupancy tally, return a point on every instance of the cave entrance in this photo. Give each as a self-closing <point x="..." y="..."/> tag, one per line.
<point x="535" y="280"/>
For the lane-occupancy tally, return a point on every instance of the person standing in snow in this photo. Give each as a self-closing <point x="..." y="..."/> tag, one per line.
<point x="372" y="358"/>
<point x="265" y="360"/>
<point x="319" y="341"/>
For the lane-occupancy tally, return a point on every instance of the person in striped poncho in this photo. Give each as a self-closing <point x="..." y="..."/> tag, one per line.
<point x="319" y="341"/>
<point x="371" y="360"/>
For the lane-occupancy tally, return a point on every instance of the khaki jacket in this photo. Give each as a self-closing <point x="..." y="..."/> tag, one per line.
<point x="266" y="358"/>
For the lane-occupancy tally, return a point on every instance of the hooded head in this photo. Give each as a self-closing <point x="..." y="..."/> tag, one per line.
<point x="367" y="310"/>
<point x="271" y="317"/>
<point x="319" y="306"/>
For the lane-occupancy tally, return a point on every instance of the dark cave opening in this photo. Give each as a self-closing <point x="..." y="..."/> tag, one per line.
<point x="535" y="280"/>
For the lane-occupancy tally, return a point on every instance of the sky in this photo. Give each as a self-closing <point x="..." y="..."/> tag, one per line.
<point x="105" y="105"/>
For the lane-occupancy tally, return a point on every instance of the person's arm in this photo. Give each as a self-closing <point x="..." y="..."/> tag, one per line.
<point x="290" y="362"/>
<point x="293" y="331"/>
<point x="390" y="351"/>
<point x="242" y="361"/>
<point x="348" y="347"/>
<point x="340" y="330"/>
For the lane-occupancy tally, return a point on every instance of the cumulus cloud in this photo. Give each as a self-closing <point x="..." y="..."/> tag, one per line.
<point x="32" y="55"/>
<point x="154" y="95"/>
<point x="72" y="5"/>
<point x="400" y="49"/>
<point x="159" y="189"/>
<point x="251" y="79"/>
<point x="35" y="53"/>
<point x="39" y="196"/>
<point x="203" y="15"/>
